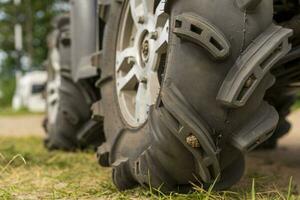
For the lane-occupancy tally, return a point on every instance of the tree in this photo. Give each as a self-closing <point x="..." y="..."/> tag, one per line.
<point x="35" y="16"/>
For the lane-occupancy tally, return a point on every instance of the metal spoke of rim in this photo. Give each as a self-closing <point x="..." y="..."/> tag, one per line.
<point x="160" y="16"/>
<point x="141" y="102"/>
<point x="125" y="58"/>
<point x="129" y="81"/>
<point x="137" y="78"/>
<point x="148" y="6"/>
<point x="137" y="12"/>
<point x="163" y="39"/>
<point x="161" y="45"/>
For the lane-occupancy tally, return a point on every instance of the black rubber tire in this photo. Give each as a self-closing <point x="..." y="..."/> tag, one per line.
<point x="280" y="95"/>
<point x="73" y="128"/>
<point x="283" y="103"/>
<point x="152" y="155"/>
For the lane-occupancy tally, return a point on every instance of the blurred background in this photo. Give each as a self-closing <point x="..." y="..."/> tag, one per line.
<point x="24" y="26"/>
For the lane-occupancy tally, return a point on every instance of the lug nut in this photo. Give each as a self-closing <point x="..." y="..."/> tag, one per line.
<point x="144" y="80"/>
<point x="131" y="60"/>
<point x="145" y="50"/>
<point x="193" y="141"/>
<point x="141" y="20"/>
<point x="154" y="35"/>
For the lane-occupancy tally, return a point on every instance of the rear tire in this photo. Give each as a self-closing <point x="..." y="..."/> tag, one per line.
<point x="193" y="132"/>
<point x="68" y="123"/>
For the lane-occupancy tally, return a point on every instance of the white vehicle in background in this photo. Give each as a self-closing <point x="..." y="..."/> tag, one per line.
<point x="29" y="92"/>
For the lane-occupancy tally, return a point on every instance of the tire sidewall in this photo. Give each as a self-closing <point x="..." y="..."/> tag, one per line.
<point x="114" y="123"/>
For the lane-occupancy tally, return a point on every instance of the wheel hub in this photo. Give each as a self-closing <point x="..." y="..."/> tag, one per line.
<point x="145" y="50"/>
<point x="142" y="41"/>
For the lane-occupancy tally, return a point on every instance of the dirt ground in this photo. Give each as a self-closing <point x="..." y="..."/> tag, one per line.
<point x="22" y="125"/>
<point x="275" y="166"/>
<point x="279" y="165"/>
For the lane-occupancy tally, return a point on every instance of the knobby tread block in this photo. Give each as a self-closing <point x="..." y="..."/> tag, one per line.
<point x="103" y="155"/>
<point x="252" y="66"/>
<point x="200" y="31"/>
<point x="247" y="4"/>
<point x="103" y="80"/>
<point x="121" y="174"/>
<point x="149" y="171"/>
<point x="182" y="121"/>
<point x="88" y="132"/>
<point x="197" y="153"/>
<point x="97" y="111"/>
<point x="259" y="129"/>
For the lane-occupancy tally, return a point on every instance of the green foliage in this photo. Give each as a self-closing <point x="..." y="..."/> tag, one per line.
<point x="297" y="103"/>
<point x="35" y="17"/>
<point x="7" y="111"/>
<point x="7" y="87"/>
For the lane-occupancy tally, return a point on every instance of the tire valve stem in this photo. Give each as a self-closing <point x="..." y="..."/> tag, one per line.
<point x="193" y="141"/>
<point x="154" y="35"/>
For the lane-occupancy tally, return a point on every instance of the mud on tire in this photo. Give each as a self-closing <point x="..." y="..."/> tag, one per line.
<point x="209" y="110"/>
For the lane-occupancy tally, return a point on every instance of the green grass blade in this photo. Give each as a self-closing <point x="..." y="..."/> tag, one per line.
<point x="289" y="195"/>
<point x="253" y="193"/>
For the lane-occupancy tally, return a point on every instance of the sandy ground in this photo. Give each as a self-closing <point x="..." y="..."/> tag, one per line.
<point x="279" y="165"/>
<point x="276" y="166"/>
<point x="21" y="125"/>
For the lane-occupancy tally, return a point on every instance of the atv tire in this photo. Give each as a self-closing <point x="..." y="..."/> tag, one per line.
<point x="210" y="108"/>
<point x="68" y="124"/>
<point x="283" y="104"/>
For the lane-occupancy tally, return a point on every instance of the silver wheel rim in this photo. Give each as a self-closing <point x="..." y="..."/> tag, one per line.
<point x="141" y="52"/>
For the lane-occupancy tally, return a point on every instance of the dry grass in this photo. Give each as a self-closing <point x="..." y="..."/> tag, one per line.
<point x="28" y="171"/>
